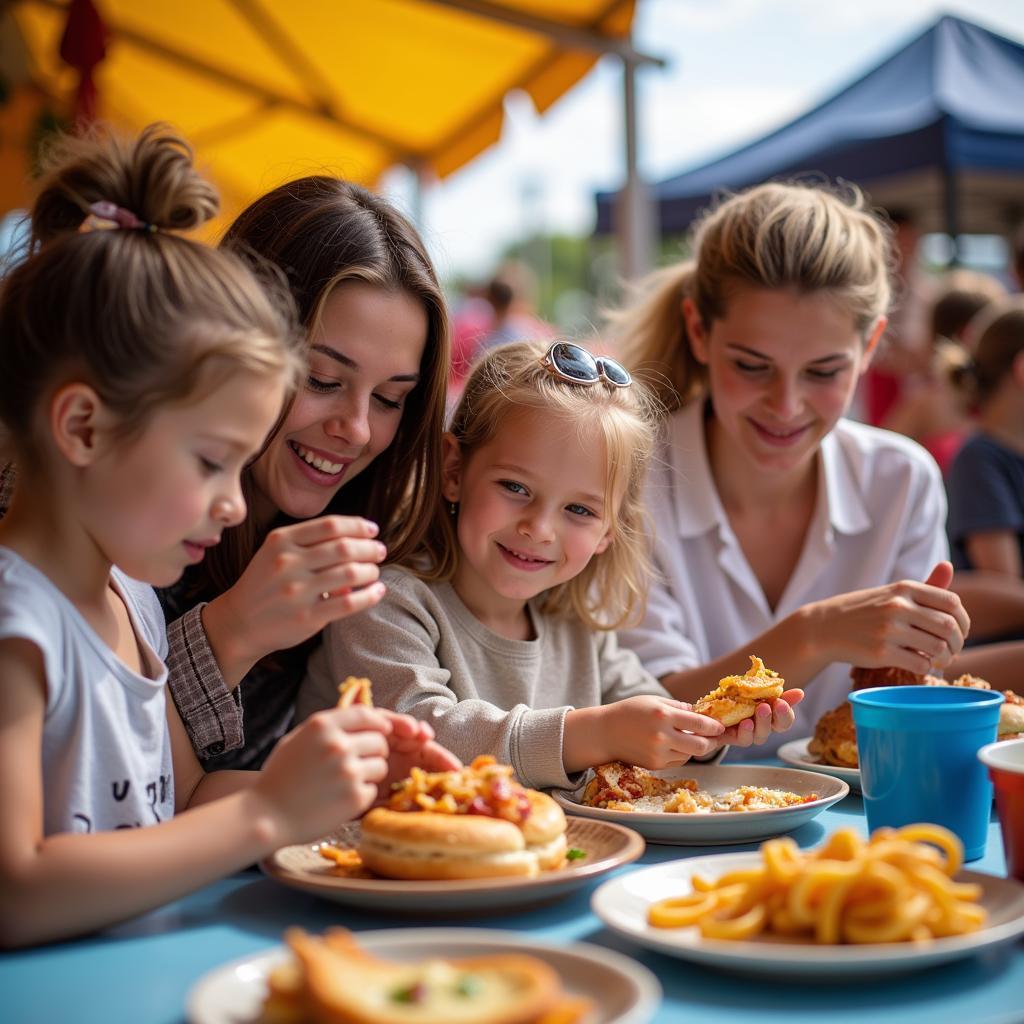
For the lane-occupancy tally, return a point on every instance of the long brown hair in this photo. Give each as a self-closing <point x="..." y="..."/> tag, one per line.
<point x="321" y="232"/>
<point x="143" y="315"/>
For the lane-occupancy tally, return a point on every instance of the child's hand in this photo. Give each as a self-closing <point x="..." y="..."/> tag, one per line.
<point x="775" y="715"/>
<point x="324" y="772"/>
<point x="657" y="732"/>
<point x="411" y="744"/>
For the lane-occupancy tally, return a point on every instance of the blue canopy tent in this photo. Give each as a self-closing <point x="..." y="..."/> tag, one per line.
<point x="937" y="130"/>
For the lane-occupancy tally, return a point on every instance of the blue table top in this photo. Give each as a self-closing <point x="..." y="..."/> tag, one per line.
<point x="141" y="971"/>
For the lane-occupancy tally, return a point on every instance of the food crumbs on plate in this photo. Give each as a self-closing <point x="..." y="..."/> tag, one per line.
<point x="347" y="863"/>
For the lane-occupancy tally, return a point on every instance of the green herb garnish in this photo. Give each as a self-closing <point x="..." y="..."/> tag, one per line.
<point x="469" y="985"/>
<point x="575" y="854"/>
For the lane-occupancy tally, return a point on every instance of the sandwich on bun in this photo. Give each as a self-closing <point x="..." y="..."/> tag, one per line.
<point x="476" y="822"/>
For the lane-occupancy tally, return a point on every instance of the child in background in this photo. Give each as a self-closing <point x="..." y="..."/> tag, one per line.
<point x="500" y="633"/>
<point x="930" y="411"/>
<point x="986" y="481"/>
<point x="141" y="372"/>
<point x="782" y="528"/>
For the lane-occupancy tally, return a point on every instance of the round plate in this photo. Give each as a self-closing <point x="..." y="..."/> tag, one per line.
<point x="622" y="904"/>
<point x="795" y="753"/>
<point x="728" y="826"/>
<point x="606" y="847"/>
<point x="623" y="991"/>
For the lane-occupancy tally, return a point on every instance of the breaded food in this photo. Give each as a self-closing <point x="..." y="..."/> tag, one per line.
<point x="737" y="697"/>
<point x="355" y="690"/>
<point x="866" y="678"/>
<point x="618" y="782"/>
<point x="835" y="741"/>
<point x="330" y="979"/>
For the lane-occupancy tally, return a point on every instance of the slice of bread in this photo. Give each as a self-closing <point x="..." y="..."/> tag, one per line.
<point x="346" y="985"/>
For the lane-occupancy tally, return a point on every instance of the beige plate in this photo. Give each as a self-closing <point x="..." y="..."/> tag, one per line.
<point x="622" y="904"/>
<point x="623" y="991"/>
<point x="606" y="846"/>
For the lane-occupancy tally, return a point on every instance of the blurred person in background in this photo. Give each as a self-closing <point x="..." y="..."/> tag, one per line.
<point x="986" y="481"/>
<point x="512" y="293"/>
<point x="931" y="410"/>
<point x="905" y="350"/>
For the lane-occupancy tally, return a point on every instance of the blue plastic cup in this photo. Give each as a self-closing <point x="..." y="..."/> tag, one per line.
<point x="918" y="750"/>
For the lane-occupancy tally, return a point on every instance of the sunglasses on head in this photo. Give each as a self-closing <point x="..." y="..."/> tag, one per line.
<point x="575" y="364"/>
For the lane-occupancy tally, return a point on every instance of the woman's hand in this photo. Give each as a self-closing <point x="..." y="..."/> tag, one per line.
<point x="775" y="715"/>
<point x="907" y="624"/>
<point x="279" y="600"/>
<point x="325" y="771"/>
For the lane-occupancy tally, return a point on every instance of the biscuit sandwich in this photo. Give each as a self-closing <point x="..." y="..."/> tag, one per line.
<point x="737" y="697"/>
<point x="476" y="822"/>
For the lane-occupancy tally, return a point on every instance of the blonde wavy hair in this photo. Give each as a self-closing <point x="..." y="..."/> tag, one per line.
<point x="780" y="235"/>
<point x="611" y="591"/>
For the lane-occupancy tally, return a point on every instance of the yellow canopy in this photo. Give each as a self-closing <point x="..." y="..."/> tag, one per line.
<point x="269" y="90"/>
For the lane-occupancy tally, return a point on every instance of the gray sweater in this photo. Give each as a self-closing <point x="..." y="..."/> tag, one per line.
<point x="428" y="656"/>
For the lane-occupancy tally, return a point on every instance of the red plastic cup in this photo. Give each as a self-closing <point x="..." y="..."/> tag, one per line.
<point x="1005" y="763"/>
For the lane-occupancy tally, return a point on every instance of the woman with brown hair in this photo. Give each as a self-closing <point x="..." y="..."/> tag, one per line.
<point x="345" y="479"/>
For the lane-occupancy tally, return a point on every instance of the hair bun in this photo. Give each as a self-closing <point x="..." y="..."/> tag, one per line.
<point x="153" y="176"/>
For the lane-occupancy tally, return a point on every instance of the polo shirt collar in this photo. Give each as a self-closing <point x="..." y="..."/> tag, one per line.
<point x="698" y="506"/>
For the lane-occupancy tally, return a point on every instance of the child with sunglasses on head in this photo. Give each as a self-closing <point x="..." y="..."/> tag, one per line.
<point x="500" y="634"/>
<point x="142" y="372"/>
<point x="782" y="527"/>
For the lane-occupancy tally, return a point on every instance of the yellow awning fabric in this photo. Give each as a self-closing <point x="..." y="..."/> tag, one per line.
<point x="269" y="90"/>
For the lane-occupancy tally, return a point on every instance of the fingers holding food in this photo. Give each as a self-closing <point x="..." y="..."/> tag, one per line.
<point x="736" y="697"/>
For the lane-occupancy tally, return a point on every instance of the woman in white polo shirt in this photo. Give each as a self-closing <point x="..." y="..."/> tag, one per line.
<point x="783" y="529"/>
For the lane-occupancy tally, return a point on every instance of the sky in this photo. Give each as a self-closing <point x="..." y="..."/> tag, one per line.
<point x="736" y="70"/>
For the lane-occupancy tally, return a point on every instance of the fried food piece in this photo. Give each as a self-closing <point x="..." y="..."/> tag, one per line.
<point x="737" y="697"/>
<point x="866" y="678"/>
<point x="347" y="862"/>
<point x="334" y="980"/>
<point x="621" y="782"/>
<point x="355" y="690"/>
<point x="835" y="741"/>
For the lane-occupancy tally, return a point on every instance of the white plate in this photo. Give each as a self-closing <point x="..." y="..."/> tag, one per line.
<point x="622" y="903"/>
<point x="606" y="847"/>
<point x="623" y="991"/>
<point x="795" y="752"/>
<point x="729" y="826"/>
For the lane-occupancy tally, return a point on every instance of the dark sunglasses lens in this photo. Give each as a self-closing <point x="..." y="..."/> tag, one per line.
<point x="574" y="361"/>
<point x="614" y="372"/>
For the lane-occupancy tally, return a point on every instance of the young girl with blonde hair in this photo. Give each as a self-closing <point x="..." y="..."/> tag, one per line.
<point x="781" y="527"/>
<point x="500" y="632"/>
<point x="142" y="371"/>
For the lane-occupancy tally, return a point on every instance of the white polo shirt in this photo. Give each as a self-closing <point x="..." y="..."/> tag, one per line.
<point x="879" y="518"/>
